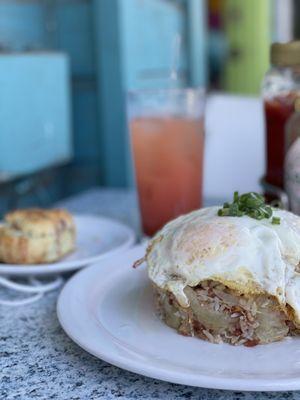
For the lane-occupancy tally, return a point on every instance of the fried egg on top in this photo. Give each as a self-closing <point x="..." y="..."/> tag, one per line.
<point x="248" y="255"/>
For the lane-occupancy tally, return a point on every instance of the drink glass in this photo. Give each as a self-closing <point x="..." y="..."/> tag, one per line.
<point x="167" y="138"/>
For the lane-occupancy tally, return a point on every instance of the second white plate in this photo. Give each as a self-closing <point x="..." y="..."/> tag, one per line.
<point x="108" y="310"/>
<point x="97" y="238"/>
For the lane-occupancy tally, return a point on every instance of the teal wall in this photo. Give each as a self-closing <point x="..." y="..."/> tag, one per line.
<point x="135" y="50"/>
<point x="113" y="45"/>
<point x="148" y="32"/>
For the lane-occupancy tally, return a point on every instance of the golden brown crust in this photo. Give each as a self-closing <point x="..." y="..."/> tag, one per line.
<point x="219" y="314"/>
<point x="39" y="222"/>
<point x="36" y="236"/>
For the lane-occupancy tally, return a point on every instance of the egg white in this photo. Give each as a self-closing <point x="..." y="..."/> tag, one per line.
<point x="246" y="254"/>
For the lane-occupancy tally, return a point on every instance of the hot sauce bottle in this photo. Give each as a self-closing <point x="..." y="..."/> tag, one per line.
<point x="281" y="86"/>
<point x="292" y="159"/>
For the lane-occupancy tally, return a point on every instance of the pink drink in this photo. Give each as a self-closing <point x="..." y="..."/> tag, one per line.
<point x="168" y="156"/>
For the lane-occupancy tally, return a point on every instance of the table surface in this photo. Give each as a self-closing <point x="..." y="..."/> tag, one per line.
<point x="39" y="361"/>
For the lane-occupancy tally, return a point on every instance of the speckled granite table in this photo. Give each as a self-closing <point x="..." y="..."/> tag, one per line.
<point x="38" y="361"/>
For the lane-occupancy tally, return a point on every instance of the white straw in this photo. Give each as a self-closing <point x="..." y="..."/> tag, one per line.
<point x="175" y="57"/>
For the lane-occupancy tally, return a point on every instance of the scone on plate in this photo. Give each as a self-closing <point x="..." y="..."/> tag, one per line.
<point x="36" y="236"/>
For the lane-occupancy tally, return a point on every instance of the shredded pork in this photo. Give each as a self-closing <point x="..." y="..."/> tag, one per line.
<point x="218" y="314"/>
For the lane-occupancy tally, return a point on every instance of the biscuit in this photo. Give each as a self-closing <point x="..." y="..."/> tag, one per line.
<point x="36" y="236"/>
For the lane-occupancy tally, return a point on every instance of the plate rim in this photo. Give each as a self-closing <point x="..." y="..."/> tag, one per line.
<point x="61" y="266"/>
<point x="142" y="368"/>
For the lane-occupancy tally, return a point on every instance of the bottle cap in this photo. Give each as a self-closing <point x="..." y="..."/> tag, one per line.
<point x="285" y="54"/>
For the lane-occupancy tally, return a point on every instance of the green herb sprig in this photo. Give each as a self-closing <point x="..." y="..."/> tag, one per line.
<point x="251" y="204"/>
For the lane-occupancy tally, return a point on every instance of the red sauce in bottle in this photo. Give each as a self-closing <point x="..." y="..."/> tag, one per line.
<point x="277" y="111"/>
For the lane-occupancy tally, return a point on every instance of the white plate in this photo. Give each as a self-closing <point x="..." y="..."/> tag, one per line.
<point x="97" y="237"/>
<point x="108" y="310"/>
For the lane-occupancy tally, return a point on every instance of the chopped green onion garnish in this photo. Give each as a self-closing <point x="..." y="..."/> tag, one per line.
<point x="251" y="204"/>
<point x="235" y="197"/>
<point x="276" y="221"/>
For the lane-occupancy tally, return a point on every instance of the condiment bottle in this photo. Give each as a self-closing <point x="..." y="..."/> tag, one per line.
<point x="292" y="159"/>
<point x="280" y="88"/>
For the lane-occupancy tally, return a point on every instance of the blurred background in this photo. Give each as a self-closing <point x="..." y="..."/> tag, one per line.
<point x="65" y="67"/>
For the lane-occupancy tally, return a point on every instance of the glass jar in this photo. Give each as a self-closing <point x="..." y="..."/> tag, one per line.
<point x="281" y="86"/>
